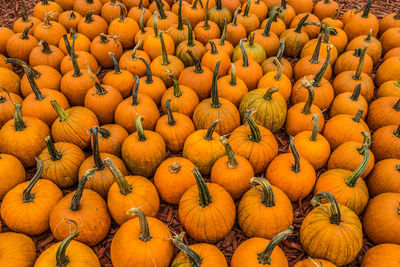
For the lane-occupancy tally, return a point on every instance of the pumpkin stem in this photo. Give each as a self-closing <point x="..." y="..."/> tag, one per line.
<point x="267" y="29"/>
<point x="45" y="2"/>
<point x="278" y="64"/>
<point x="122" y="14"/>
<point x="204" y="193"/>
<point x="141" y="22"/>
<point x="280" y="50"/>
<point x="397" y="132"/>
<point x="89" y="17"/>
<point x="135" y="101"/>
<point x="265" y="257"/>
<point x="326" y="32"/>
<point x="149" y="76"/>
<point x="141" y="4"/>
<point x="96" y="151"/>
<point x="2" y="99"/>
<point x="180" y="22"/>
<point x="367" y="9"/>
<point x="194" y="5"/>
<point x="214" y="89"/>
<point x="327" y="1"/>
<point x="175" y="167"/>
<point x="223" y="35"/>
<point x="139" y="129"/>
<point x="321" y="72"/>
<point x="144" y="225"/>
<point x="270" y="92"/>
<point x="137" y="46"/>
<point x="76" y="198"/>
<point x="46" y="48"/>
<point x="283" y="4"/>
<point x="124" y="187"/>
<point x="366" y="143"/>
<point x="301" y="23"/>
<point x="160" y="8"/>
<point x="71" y="15"/>
<point x="104" y="38"/>
<point x="369" y="36"/>
<point x="206" y="25"/>
<point x="197" y="62"/>
<point x="232" y="163"/>
<point x="27" y="196"/>
<point x="60" y="111"/>
<point x="177" y="89"/>
<point x="25" y="35"/>
<point x="357" y="118"/>
<point x="24" y="13"/>
<point x="214" y="49"/>
<point x="357" y="75"/>
<point x="233" y="75"/>
<point x="336" y="14"/>
<point x="314" y="132"/>
<point x="54" y="153"/>
<point x="307" y="106"/>
<point x="268" y="199"/>
<point x="334" y="207"/>
<point x="104" y="133"/>
<point x="251" y="39"/>
<point x="165" y="60"/>
<point x="73" y="56"/>
<point x="244" y="53"/>
<point x="155" y="24"/>
<point x="211" y="130"/>
<point x="397" y="105"/>
<point x="356" y="93"/>
<point x="117" y="69"/>
<point x="100" y="90"/>
<point x="171" y="120"/>
<point x="234" y="22"/>
<point x="62" y="259"/>
<point x="352" y="179"/>
<point x="296" y="165"/>
<point x="38" y="94"/>
<point x="247" y="9"/>
<point x="315" y="57"/>
<point x="19" y="124"/>
<point x="27" y="68"/>
<point x="255" y="135"/>
<point x="218" y="4"/>
<point x="190" y="41"/>
<point x="195" y="259"/>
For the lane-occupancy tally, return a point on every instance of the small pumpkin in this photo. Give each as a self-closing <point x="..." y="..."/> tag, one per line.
<point x="136" y="12"/>
<point x="384" y="177"/>
<point x="20" y="45"/>
<point x="179" y="32"/>
<point x="79" y="43"/>
<point x="384" y="253"/>
<point x="295" y="39"/>
<point x="254" y="50"/>
<point x="218" y="13"/>
<point x="112" y="10"/>
<point x="19" y="250"/>
<point x="25" y="20"/>
<point x="12" y="171"/>
<point x="374" y="49"/>
<point x="222" y="43"/>
<point x="119" y="78"/>
<point x="85" y="6"/>
<point x="69" y="19"/>
<point x="338" y="38"/>
<point x="348" y="61"/>
<point x="166" y="18"/>
<point x="386" y="142"/>
<point x="269" y="64"/>
<point x="92" y="25"/>
<point x="384" y="111"/>
<point x="334" y="21"/>
<point x="301" y="6"/>
<point x="287" y="12"/>
<point x="44" y="7"/>
<point x="130" y="60"/>
<point x="389" y="88"/>
<point x="193" y="13"/>
<point x="235" y="31"/>
<point x="50" y="31"/>
<point x="124" y="27"/>
<point x="231" y="87"/>
<point x="151" y="85"/>
<point x="102" y="46"/>
<point x="389" y="21"/>
<point x="266" y="38"/>
<point x="388" y="71"/>
<point x="312" y="27"/>
<point x="361" y="23"/>
<point x="206" y="30"/>
<point x="249" y="20"/>
<point x="48" y="55"/>
<point x="211" y="57"/>
<point x="349" y="103"/>
<point x="325" y="8"/>
<point x="111" y="137"/>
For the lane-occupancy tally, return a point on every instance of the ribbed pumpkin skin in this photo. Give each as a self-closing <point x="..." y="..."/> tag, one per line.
<point x="317" y="230"/>
<point x="309" y="263"/>
<point x="62" y="172"/>
<point x="385" y="254"/>
<point x="381" y="112"/>
<point x="297" y="122"/>
<point x="49" y="79"/>
<point x="270" y="113"/>
<point x="79" y="255"/>
<point x="385" y="144"/>
<point x="113" y="143"/>
<point x="128" y="250"/>
<point x="17" y="250"/>
<point x="12" y="173"/>
<point x="381" y="219"/>
<point x="10" y="80"/>
<point x="7" y="107"/>
<point x="385" y="177"/>
<point x="210" y="255"/>
<point x="209" y="224"/>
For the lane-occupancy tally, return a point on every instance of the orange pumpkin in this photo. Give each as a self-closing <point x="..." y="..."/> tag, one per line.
<point x="111" y="138"/>
<point x="361" y="23"/>
<point x="121" y="79"/>
<point x="13" y="171"/>
<point x="384" y="254"/>
<point x="50" y="31"/>
<point x="49" y="55"/>
<point x="349" y="103"/>
<point x="384" y="177"/>
<point x="7" y="101"/>
<point x="69" y="19"/>
<point x="19" y="250"/>
<point x="386" y="142"/>
<point x="384" y="111"/>
<point x="20" y="45"/>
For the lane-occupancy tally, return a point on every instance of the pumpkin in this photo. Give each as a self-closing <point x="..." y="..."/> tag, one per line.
<point x="193" y="13"/>
<point x="44" y="7"/>
<point x="269" y="64"/>
<point x="350" y="13"/>
<point x="197" y="254"/>
<point x="7" y="101"/>
<point x="299" y="115"/>
<point x="394" y="52"/>
<point x="120" y="79"/>
<point x="48" y="55"/>
<point x="266" y="38"/>
<point x="255" y="143"/>
<point x="389" y="21"/>
<point x="6" y="33"/>
<point x="20" y="45"/>
<point x="384" y="177"/>
<point x="361" y="23"/>
<point x="348" y="61"/>
<point x="102" y="46"/>
<point x="50" y="31"/>
<point x="254" y="50"/>
<point x="211" y="57"/>
<point x="179" y="32"/>
<point x="216" y="108"/>
<point x="79" y="43"/>
<point x="201" y="201"/>
<point x="142" y="241"/>
<point x="325" y="8"/>
<point x="23" y="137"/>
<point x="206" y="30"/>
<point x="25" y="20"/>
<point x="69" y="19"/>
<point x="295" y="39"/>
<point x="231" y="87"/>
<point x="72" y="125"/>
<point x="277" y="25"/>
<point x="218" y="13"/>
<point x="389" y="88"/>
<point x="312" y="27"/>
<point x="85" y="6"/>
<point x="221" y="43"/>
<point x="286" y="12"/>
<point x="26" y="208"/>
<point x="112" y="10"/>
<point x="9" y="81"/>
<point x="111" y="138"/>
<point x="166" y="18"/>
<point x="132" y="3"/>
<point x="12" y="171"/>
<point x="174" y="127"/>
<point x="197" y="77"/>
<point x="203" y="148"/>
<point x="136" y="12"/>
<point x="124" y="27"/>
<point x="258" y="251"/>
<point x="85" y="207"/>
<point x="131" y="108"/>
<point x="385" y="142"/>
<point x="235" y="31"/>
<point x="313" y="263"/>
<point x="313" y="146"/>
<point x="301" y="6"/>
<point x="388" y="71"/>
<point x="143" y="151"/>
<point x="381" y="217"/>
<point x="349" y="103"/>
<point x="326" y="222"/>
<point x="258" y="8"/>
<point x="128" y="191"/>
<point x="258" y="210"/>
<point x="69" y="252"/>
<point x="384" y="253"/>
<point x="374" y="47"/>
<point x="92" y="25"/>
<point x="18" y="249"/>
<point x="249" y="20"/>
<point x="334" y="21"/>
<point x="3" y="63"/>
<point x="384" y="111"/>
<point x="130" y="60"/>
<point x="173" y="177"/>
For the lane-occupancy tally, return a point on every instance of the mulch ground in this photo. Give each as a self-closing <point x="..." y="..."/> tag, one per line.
<point x="9" y="11"/>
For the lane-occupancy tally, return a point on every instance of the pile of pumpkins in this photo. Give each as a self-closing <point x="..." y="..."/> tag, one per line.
<point x="210" y="82"/>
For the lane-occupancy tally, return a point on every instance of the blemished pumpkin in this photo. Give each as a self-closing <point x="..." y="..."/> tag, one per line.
<point x="264" y="210"/>
<point x="87" y="208"/>
<point x="232" y="172"/>
<point x="61" y="162"/>
<point x="197" y="211"/>
<point x="128" y="191"/>
<point x="12" y="171"/>
<point x="173" y="177"/>
<point x="386" y="142"/>
<point x="258" y="251"/>
<point x="381" y="218"/>
<point x="111" y="137"/>
<point x="26" y="208"/>
<point x="255" y="143"/>
<point x="18" y="249"/>
<point x="23" y="137"/>
<point x="203" y="148"/>
<point x="325" y="223"/>
<point x="384" y="177"/>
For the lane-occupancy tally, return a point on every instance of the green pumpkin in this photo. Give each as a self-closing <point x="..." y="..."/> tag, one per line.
<point x="269" y="106"/>
<point x="254" y="51"/>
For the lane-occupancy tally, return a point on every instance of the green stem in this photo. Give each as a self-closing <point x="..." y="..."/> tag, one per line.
<point x="27" y="68"/>
<point x="296" y="165"/>
<point x="197" y="63"/>
<point x="24" y="13"/>
<point x="206" y="25"/>
<point x="155" y="24"/>
<point x="367" y="9"/>
<point x="265" y="257"/>
<point x="75" y="65"/>
<point x="366" y="144"/>
<point x="75" y="201"/>
<point x="270" y="92"/>
<point x="211" y="130"/>
<point x="62" y="259"/>
<point x="51" y="148"/>
<point x="396" y="107"/>
<point x="247" y="9"/>
<point x="96" y="151"/>
<point x="46" y="48"/>
<point x="141" y="22"/>
<point x="267" y="29"/>
<point x="214" y="89"/>
<point x="180" y="22"/>
<point x="204" y="193"/>
<point x="234" y="22"/>
<point x="124" y="187"/>
<point x="307" y="106"/>
<point x="283" y="4"/>
<point x="194" y="258"/>
<point x="357" y="75"/>
<point x="117" y="69"/>
<point x="397" y="132"/>
<point x="301" y="23"/>
<point x="27" y="195"/>
<point x="122" y="14"/>
<point x="165" y="61"/>
<point x="144" y="225"/>
<point x="315" y="57"/>
<point x="321" y="72"/>
<point x="233" y="75"/>
<point x="71" y="15"/>
<point x="369" y="36"/>
<point x="218" y="4"/>
<point x="268" y="199"/>
<point x="60" y="111"/>
<point x="356" y="92"/>
<point x="244" y="53"/>
<point x="223" y="35"/>
<point x="190" y="41"/>
<point x="104" y="133"/>
<point x="89" y="17"/>
<point x="255" y="131"/>
<point x="357" y="118"/>
<point x="336" y="14"/>
<point x="232" y="163"/>
<point x="278" y="64"/>
<point x="160" y="9"/>
<point x="135" y="101"/>
<point x="280" y="50"/>
<point x="149" y="76"/>
<point x="352" y="179"/>
<point x="334" y="207"/>
<point x="326" y="32"/>
<point x="177" y="89"/>
<point x="19" y="124"/>
<point x="214" y="49"/>
<point x="171" y="120"/>
<point x="137" y="46"/>
<point x="139" y="129"/>
<point x="314" y="133"/>
<point x="25" y="35"/>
